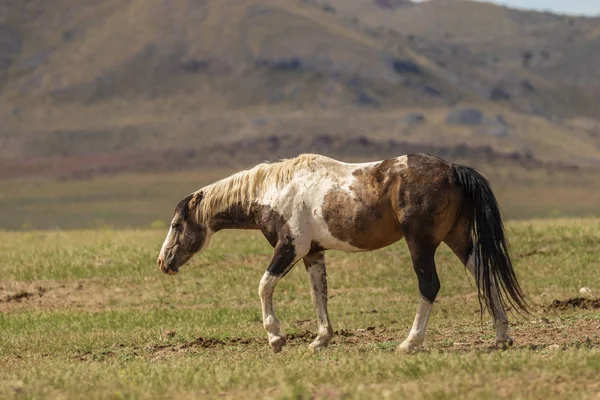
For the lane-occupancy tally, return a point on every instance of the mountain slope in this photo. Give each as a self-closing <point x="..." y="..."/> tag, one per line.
<point x="108" y="49"/>
<point x="538" y="62"/>
<point x="126" y="84"/>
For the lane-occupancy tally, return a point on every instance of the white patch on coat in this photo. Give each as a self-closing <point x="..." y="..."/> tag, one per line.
<point x="270" y="320"/>
<point x="163" y="249"/>
<point x="416" y="335"/>
<point x="300" y="201"/>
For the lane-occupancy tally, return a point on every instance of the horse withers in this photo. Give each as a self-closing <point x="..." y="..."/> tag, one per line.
<point x="312" y="203"/>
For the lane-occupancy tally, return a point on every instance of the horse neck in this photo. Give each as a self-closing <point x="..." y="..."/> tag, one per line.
<point x="235" y="217"/>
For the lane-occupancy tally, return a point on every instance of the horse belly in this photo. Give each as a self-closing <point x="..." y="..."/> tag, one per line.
<point x="373" y="229"/>
<point x="324" y="239"/>
<point x="359" y="230"/>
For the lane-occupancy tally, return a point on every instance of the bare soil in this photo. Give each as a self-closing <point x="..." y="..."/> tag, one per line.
<point x="554" y="330"/>
<point x="577" y="302"/>
<point x="542" y="334"/>
<point x="22" y="295"/>
<point x="51" y="295"/>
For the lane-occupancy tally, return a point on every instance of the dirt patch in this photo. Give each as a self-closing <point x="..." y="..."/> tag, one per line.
<point x="344" y="337"/>
<point x="541" y="335"/>
<point x="211" y="342"/>
<point x="300" y="323"/>
<point x="541" y="251"/>
<point x="575" y="303"/>
<point x="549" y="333"/>
<point x="22" y="295"/>
<point x="202" y="343"/>
<point x="53" y="295"/>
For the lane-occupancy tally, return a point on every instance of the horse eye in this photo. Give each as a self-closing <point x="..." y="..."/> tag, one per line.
<point x="175" y="226"/>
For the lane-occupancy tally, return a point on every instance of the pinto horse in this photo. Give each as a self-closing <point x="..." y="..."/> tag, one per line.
<point x="312" y="203"/>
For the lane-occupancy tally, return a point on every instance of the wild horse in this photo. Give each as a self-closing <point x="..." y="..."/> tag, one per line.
<point x="309" y="204"/>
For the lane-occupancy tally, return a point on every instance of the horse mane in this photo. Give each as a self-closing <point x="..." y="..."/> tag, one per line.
<point x="244" y="186"/>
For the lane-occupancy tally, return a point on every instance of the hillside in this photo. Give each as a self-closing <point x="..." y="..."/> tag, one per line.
<point x="539" y="63"/>
<point x="104" y="86"/>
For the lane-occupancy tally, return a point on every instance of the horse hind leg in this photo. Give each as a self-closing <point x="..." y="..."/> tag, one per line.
<point x="460" y="242"/>
<point x="423" y="259"/>
<point x="424" y="231"/>
<point x="501" y="323"/>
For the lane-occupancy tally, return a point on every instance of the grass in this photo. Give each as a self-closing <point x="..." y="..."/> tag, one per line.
<point x="91" y="310"/>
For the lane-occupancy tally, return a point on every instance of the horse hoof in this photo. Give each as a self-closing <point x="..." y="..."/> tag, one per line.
<point x="406" y="349"/>
<point x="504" y="343"/>
<point x="317" y="345"/>
<point x="277" y="343"/>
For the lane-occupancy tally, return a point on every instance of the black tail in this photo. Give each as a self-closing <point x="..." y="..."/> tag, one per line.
<point x="492" y="259"/>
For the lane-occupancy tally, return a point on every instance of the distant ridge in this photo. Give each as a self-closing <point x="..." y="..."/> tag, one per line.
<point x="104" y="79"/>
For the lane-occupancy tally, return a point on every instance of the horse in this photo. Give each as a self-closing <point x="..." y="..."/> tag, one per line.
<point x="309" y="204"/>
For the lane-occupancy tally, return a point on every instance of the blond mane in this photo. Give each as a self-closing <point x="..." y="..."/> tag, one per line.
<point x="244" y="186"/>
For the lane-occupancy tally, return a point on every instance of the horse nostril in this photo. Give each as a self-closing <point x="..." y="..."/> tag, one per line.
<point x="160" y="263"/>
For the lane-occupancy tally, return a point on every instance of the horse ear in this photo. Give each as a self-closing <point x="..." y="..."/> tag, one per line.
<point x="196" y="199"/>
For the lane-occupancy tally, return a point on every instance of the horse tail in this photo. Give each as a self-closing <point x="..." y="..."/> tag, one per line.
<point x="490" y="249"/>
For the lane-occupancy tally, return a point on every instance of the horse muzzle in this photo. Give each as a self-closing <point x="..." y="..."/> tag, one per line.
<point x="166" y="268"/>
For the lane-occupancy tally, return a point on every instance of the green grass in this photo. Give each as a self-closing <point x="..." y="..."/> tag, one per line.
<point x="92" y="323"/>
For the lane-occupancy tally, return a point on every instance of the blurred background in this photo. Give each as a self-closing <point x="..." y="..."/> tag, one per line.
<point x="113" y="110"/>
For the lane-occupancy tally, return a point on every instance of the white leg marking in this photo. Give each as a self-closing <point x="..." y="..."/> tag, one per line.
<point x="270" y="321"/>
<point x="500" y="319"/>
<point x="317" y="276"/>
<point x="416" y="335"/>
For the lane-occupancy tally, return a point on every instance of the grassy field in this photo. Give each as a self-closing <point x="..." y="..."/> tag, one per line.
<point x="83" y="314"/>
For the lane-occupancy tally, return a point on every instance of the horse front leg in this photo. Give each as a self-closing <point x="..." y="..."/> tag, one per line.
<point x="283" y="260"/>
<point x="317" y="276"/>
<point x="270" y="321"/>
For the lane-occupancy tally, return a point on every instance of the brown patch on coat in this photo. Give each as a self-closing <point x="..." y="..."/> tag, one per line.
<point x="235" y="217"/>
<point x="428" y="202"/>
<point x="262" y="217"/>
<point x="459" y="239"/>
<point x="393" y="199"/>
<point x="190" y="234"/>
<point x="272" y="225"/>
<point x="365" y="219"/>
<point x="315" y="247"/>
<point x="183" y="207"/>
